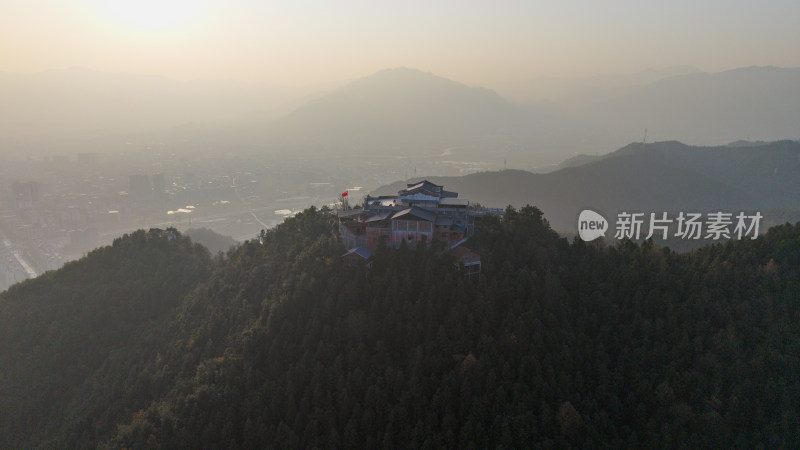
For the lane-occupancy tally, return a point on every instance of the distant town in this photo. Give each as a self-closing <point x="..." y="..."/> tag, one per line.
<point x="56" y="209"/>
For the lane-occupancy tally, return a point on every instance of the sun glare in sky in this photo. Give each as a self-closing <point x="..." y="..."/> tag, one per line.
<point x="151" y="15"/>
<point x="306" y="42"/>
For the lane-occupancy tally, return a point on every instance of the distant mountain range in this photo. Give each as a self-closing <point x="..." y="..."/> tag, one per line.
<point x="658" y="177"/>
<point x="555" y="88"/>
<point x="78" y="102"/>
<point x="409" y="110"/>
<point x="409" y="106"/>
<point x="753" y="102"/>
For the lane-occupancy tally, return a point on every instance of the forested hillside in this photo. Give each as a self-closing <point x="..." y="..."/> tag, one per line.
<point x="280" y="345"/>
<point x="77" y="345"/>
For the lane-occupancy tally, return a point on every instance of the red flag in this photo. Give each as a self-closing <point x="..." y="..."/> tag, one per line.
<point x="344" y="194"/>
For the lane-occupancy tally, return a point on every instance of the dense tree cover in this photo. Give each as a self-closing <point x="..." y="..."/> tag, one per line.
<point x="76" y="344"/>
<point x="555" y="344"/>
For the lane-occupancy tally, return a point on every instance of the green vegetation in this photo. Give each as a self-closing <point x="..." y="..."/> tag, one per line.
<point x="150" y="343"/>
<point x="77" y="346"/>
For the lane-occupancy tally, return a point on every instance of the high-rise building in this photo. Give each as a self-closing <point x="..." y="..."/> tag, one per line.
<point x="26" y="194"/>
<point x="159" y="185"/>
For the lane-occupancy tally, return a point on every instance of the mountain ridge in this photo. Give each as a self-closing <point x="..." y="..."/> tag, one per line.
<point x="405" y="105"/>
<point x="555" y="344"/>
<point x="402" y="108"/>
<point x="706" y="108"/>
<point x="660" y="177"/>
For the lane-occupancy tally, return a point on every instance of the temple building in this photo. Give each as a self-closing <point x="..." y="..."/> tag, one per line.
<point x="418" y="215"/>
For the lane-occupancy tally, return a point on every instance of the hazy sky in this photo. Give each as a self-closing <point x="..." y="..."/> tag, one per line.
<point x="475" y="42"/>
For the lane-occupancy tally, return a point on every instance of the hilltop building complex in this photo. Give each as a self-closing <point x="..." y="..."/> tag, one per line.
<point x="420" y="214"/>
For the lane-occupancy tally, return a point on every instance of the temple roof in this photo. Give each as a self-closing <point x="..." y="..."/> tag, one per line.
<point x="415" y="213"/>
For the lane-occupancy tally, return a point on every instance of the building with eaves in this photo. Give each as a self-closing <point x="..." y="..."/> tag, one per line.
<point x="420" y="214"/>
